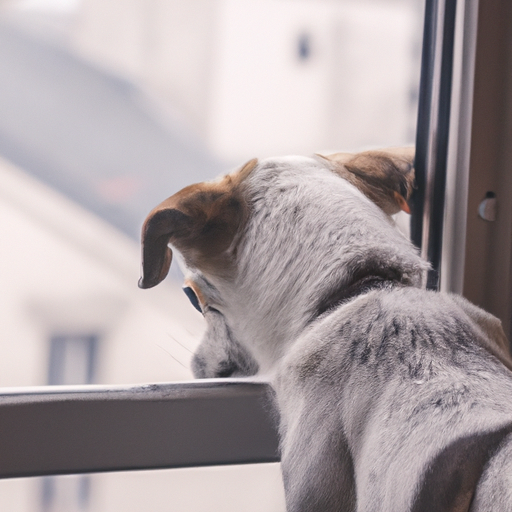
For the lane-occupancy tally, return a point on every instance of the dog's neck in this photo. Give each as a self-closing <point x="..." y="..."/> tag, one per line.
<point x="284" y="271"/>
<point x="345" y="293"/>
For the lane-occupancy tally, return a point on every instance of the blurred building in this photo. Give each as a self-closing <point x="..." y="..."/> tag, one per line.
<point x="71" y="312"/>
<point x="263" y="77"/>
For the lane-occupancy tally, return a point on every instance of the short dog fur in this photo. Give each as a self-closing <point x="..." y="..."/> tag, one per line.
<point x="391" y="398"/>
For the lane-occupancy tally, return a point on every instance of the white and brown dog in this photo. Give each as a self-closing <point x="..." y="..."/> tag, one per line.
<point x="391" y="398"/>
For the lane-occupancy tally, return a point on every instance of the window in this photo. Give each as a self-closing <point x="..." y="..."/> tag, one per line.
<point x="72" y="361"/>
<point x="97" y="155"/>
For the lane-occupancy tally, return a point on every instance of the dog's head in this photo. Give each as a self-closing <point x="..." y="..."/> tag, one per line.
<point x="278" y="243"/>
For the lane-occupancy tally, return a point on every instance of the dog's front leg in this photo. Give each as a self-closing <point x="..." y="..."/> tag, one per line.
<point x="317" y="468"/>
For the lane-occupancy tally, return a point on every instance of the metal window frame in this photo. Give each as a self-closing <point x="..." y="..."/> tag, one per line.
<point x="487" y="272"/>
<point x="432" y="133"/>
<point x="81" y="429"/>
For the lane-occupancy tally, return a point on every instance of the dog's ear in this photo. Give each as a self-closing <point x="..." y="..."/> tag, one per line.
<point x="200" y="221"/>
<point x="385" y="176"/>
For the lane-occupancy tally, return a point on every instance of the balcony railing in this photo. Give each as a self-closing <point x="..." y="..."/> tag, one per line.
<point x="83" y="429"/>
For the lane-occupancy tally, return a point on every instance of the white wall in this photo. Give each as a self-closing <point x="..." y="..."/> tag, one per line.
<point x="230" y="68"/>
<point x="166" y="46"/>
<point x="352" y="92"/>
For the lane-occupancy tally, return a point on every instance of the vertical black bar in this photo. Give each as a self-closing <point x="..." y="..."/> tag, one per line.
<point x="433" y="132"/>
<point x="423" y="124"/>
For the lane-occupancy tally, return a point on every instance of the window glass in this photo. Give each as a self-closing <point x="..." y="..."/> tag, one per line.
<point x="107" y="107"/>
<point x="72" y="359"/>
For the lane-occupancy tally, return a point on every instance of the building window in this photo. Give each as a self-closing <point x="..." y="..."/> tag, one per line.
<point x="72" y="361"/>
<point x="304" y="47"/>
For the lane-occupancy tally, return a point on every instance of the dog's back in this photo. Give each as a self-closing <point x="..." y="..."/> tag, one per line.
<point x="424" y="405"/>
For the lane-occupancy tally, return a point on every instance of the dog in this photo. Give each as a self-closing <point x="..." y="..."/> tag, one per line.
<point x="390" y="397"/>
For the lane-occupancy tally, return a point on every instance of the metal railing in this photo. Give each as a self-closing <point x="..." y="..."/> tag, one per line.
<point x="81" y="429"/>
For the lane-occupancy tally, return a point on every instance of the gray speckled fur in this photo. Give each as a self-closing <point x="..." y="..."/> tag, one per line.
<point x="372" y="392"/>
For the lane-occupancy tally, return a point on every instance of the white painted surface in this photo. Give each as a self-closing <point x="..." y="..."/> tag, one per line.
<point x="231" y="68"/>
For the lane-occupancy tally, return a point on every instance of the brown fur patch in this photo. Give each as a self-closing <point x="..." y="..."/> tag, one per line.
<point x="384" y="176"/>
<point x="201" y="221"/>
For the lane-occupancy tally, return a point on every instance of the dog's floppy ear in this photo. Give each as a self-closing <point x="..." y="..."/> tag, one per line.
<point x="386" y="176"/>
<point x="200" y="221"/>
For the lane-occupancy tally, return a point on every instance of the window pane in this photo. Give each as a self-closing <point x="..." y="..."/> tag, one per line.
<point x="106" y="108"/>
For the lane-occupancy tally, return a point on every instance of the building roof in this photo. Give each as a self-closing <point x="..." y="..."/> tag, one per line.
<point x="90" y="135"/>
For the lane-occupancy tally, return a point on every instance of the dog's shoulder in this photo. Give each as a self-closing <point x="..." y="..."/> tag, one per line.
<point x="493" y="335"/>
<point x="436" y="323"/>
<point x="410" y="372"/>
<point x="405" y="330"/>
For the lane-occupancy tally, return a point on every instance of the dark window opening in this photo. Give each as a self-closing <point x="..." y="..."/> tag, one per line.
<point x="304" y="47"/>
